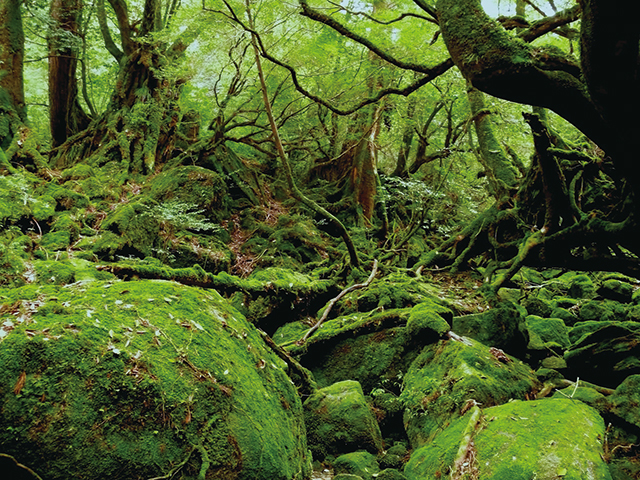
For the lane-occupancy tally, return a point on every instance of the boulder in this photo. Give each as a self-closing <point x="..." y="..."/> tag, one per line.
<point x="616" y="290"/>
<point x="497" y="327"/>
<point x="362" y="464"/>
<point x="607" y="355"/>
<point x="374" y="348"/>
<point x="132" y="380"/>
<point x="626" y="399"/>
<point x="549" y="438"/>
<point x="451" y="376"/>
<point x="339" y="420"/>
<point x="546" y="334"/>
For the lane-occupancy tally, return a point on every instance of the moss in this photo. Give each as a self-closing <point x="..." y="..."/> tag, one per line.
<point x="65" y="199"/>
<point x="55" y="272"/>
<point x="617" y="290"/>
<point x="427" y="319"/>
<point x="127" y="380"/>
<point x="78" y="172"/>
<point x="497" y="327"/>
<point x="137" y="228"/>
<point x="520" y="441"/>
<point x="603" y="310"/>
<point x="626" y="399"/>
<point x="192" y="185"/>
<point x="546" y="333"/>
<point x="447" y="375"/>
<point x="587" y="395"/>
<point x="339" y="420"/>
<point x="362" y="464"/>
<point x="580" y="285"/>
<point x="53" y="241"/>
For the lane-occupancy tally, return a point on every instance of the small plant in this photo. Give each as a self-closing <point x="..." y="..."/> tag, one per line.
<point x="176" y="215"/>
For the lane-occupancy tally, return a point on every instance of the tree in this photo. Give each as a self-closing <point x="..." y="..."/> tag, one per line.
<point x="66" y="116"/>
<point x="13" y="113"/>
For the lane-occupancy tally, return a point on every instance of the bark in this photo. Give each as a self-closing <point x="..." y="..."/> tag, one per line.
<point x="500" y="65"/>
<point x="66" y="116"/>
<point x="13" y="113"/>
<point x="500" y="171"/>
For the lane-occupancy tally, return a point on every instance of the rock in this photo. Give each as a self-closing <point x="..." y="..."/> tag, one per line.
<point x="616" y="290"/>
<point x="537" y="306"/>
<point x="553" y="362"/>
<point x="449" y="377"/>
<point x="374" y="349"/>
<point x="130" y="379"/>
<point x="626" y="399"/>
<point x="606" y="356"/>
<point x="549" y="438"/>
<point x="339" y="421"/>
<point x="362" y="464"/>
<point x="602" y="310"/>
<point x="587" y="395"/>
<point x="389" y="410"/>
<point x="390" y="474"/>
<point x="546" y="333"/>
<point x="497" y="327"/>
<point x="580" y="285"/>
<point x="347" y="476"/>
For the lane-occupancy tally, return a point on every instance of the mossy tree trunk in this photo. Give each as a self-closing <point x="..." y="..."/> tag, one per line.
<point x="66" y="116"/>
<point x="13" y="113"/>
<point x="559" y="216"/>
<point x="140" y="125"/>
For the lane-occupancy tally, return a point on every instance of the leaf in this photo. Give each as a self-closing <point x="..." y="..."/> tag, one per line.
<point x="20" y="383"/>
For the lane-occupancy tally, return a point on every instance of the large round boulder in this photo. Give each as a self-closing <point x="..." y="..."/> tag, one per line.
<point x="143" y="379"/>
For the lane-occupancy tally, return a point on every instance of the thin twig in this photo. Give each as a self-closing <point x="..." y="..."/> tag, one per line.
<point x="336" y="300"/>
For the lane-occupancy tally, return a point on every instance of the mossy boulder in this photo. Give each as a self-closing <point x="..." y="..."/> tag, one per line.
<point x="602" y="310"/>
<point x="360" y="463"/>
<point x="339" y="420"/>
<point x="546" y="333"/>
<point x="616" y="290"/>
<point x="497" y="327"/>
<point x="374" y="348"/>
<point x="136" y="230"/>
<point x="625" y="400"/>
<point x="133" y="380"/>
<point x="450" y="376"/>
<point x="607" y="355"/>
<point x="549" y="438"/>
<point x="580" y="285"/>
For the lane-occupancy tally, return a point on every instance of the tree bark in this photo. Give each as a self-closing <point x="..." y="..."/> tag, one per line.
<point x="66" y="116"/>
<point x="13" y="112"/>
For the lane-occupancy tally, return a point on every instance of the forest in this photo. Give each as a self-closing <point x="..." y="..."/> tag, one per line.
<point x="319" y="239"/>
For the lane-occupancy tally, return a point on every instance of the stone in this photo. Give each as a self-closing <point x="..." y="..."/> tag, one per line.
<point x="362" y="464"/>
<point x="451" y="376"/>
<point x="339" y="420"/>
<point x="111" y="379"/>
<point x="548" y="438"/>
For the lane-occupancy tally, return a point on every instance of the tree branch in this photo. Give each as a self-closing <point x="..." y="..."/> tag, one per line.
<point x="309" y="12"/>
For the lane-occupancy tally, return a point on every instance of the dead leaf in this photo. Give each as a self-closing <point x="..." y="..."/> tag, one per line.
<point x="20" y="383"/>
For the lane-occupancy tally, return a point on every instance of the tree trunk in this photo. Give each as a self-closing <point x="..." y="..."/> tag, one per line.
<point x="13" y="112"/>
<point x="66" y="116"/>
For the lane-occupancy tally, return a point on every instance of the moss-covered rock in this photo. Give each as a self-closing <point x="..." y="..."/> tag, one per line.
<point x="136" y="228"/>
<point x="519" y="441"/>
<point x="194" y="186"/>
<point x="537" y="306"/>
<point x="375" y="349"/>
<point x="546" y="333"/>
<point x="390" y="474"/>
<point x="602" y="310"/>
<point x="625" y="400"/>
<point x="450" y="376"/>
<point x="361" y="463"/>
<point x="139" y="379"/>
<point x="607" y="355"/>
<point x="616" y="290"/>
<point x="580" y="285"/>
<point x="339" y="420"/>
<point x="497" y="327"/>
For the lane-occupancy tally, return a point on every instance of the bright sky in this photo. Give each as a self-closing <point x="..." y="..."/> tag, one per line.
<point x="496" y="7"/>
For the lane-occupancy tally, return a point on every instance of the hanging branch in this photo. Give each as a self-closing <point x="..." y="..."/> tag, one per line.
<point x="336" y="300"/>
<point x="295" y="192"/>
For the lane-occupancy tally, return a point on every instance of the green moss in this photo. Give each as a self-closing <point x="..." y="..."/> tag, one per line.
<point x="57" y="272"/>
<point x="520" y="441"/>
<point x="362" y="464"/>
<point x="445" y="376"/>
<point x="626" y="399"/>
<point x="192" y="185"/>
<point x="617" y="290"/>
<point x="339" y="420"/>
<point x="58" y="240"/>
<point x="427" y="320"/>
<point x="497" y="327"/>
<point x="546" y="333"/>
<point x="127" y="380"/>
